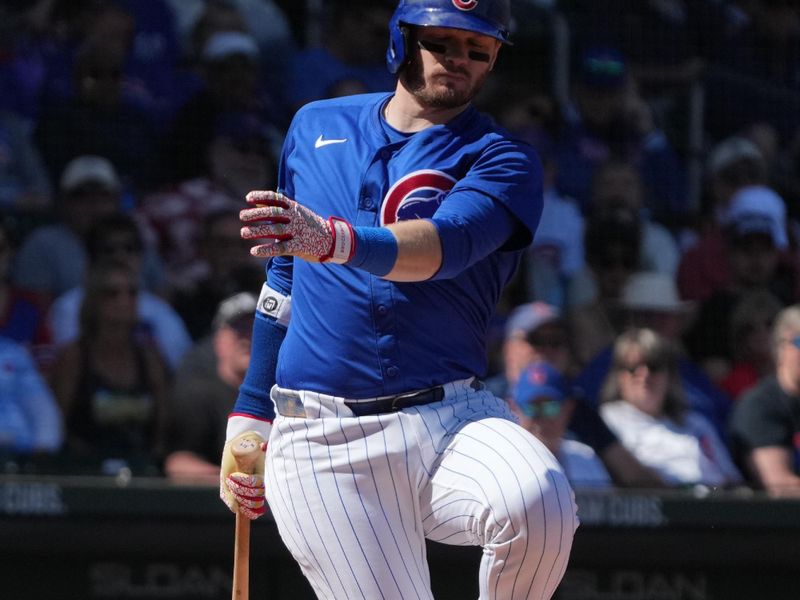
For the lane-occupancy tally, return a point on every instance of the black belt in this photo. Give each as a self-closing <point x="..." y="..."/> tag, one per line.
<point x="395" y="403"/>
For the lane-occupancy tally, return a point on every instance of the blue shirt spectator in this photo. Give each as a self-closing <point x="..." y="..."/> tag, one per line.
<point x="609" y="118"/>
<point x="350" y="59"/>
<point x="30" y="420"/>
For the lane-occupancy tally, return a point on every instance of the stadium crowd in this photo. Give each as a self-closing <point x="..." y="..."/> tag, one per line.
<point x="651" y="336"/>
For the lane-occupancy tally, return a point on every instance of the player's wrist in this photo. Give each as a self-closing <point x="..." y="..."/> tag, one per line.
<point x="239" y="423"/>
<point x="375" y="250"/>
<point x="343" y="242"/>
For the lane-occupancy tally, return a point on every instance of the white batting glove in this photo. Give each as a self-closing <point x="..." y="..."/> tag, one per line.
<point x="241" y="477"/>
<point x="293" y="229"/>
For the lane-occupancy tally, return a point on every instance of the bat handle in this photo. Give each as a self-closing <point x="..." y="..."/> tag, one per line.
<point x="246" y="452"/>
<point x="241" y="559"/>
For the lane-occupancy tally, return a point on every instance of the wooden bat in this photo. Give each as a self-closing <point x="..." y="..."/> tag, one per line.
<point x="245" y="451"/>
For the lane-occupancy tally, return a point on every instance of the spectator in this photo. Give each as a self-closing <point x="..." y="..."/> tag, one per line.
<point x="262" y="19"/>
<point x="149" y="72"/>
<point x="231" y="82"/>
<point x="229" y="268"/>
<point x="238" y="160"/>
<point x="118" y="237"/>
<point x="24" y="180"/>
<point x="765" y="425"/>
<point x="352" y="50"/>
<point x="22" y="70"/>
<point x="52" y="258"/>
<point x="22" y="313"/>
<point x="612" y="243"/>
<point x="667" y="40"/>
<point x="544" y="405"/>
<point x="751" y="323"/>
<point x="759" y="65"/>
<point x="110" y="382"/>
<point x="618" y="185"/>
<point x="642" y="402"/>
<point x="650" y="300"/>
<point x="30" y="421"/>
<point x="199" y="20"/>
<point x="204" y="390"/>
<point x="537" y="332"/>
<point x="733" y="164"/>
<point x="97" y="118"/>
<point x="609" y="118"/>
<point x="557" y="253"/>
<point x="756" y="243"/>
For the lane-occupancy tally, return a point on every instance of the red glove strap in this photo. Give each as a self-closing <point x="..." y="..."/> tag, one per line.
<point x="344" y="242"/>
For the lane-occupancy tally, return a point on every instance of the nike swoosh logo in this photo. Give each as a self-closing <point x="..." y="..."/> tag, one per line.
<point x="320" y="142"/>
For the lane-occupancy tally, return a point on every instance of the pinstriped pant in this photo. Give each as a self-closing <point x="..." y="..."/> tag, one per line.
<point x="354" y="498"/>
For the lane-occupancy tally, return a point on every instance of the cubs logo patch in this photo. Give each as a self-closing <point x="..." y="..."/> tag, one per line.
<point x="468" y="5"/>
<point x="415" y="196"/>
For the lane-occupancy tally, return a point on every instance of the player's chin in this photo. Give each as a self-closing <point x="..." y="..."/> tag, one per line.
<point x="447" y="93"/>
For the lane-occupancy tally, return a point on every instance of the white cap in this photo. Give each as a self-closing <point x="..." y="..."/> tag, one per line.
<point x="89" y="169"/>
<point x="653" y="291"/>
<point x="233" y="308"/>
<point x="227" y="43"/>
<point x="731" y="150"/>
<point x="758" y="209"/>
<point x="527" y="318"/>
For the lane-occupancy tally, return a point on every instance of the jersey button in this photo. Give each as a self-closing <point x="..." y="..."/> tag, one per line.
<point x="367" y="203"/>
<point x="392" y="371"/>
<point x="382" y="310"/>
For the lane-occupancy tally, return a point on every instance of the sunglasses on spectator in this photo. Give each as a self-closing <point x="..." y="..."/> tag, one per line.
<point x="546" y="410"/>
<point x="116" y="292"/>
<point x="121" y="247"/>
<point x="652" y="365"/>
<point x="547" y="341"/>
<point x="441" y="48"/>
<point x="612" y="262"/>
<point x="795" y="341"/>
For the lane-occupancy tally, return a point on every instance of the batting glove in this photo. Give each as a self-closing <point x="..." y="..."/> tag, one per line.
<point x="293" y="229"/>
<point x="241" y="478"/>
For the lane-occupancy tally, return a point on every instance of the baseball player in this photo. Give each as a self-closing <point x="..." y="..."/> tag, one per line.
<point x="399" y="219"/>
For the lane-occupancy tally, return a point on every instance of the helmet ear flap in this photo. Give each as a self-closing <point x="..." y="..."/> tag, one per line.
<point x="397" y="54"/>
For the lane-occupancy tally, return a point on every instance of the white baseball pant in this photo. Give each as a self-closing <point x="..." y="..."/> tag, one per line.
<point x="354" y="498"/>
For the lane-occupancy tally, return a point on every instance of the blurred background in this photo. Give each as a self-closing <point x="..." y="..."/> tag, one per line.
<point x="659" y="300"/>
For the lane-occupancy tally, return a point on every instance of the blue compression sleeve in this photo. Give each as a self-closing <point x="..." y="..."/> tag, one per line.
<point x="471" y="225"/>
<point x="376" y="250"/>
<point x="253" y="396"/>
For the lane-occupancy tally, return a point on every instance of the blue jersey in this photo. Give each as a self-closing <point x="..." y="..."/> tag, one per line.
<point x="357" y="335"/>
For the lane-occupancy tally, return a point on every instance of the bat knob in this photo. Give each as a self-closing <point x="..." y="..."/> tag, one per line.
<point x="246" y="451"/>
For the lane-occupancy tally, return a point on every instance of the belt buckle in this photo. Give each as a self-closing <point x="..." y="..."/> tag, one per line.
<point x="289" y="406"/>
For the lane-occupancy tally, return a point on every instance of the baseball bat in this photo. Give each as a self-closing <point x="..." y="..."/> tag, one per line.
<point x="245" y="451"/>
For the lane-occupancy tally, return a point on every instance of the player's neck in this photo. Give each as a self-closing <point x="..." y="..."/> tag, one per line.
<point x="406" y="114"/>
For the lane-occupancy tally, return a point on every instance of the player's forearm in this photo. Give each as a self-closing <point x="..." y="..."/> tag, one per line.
<point x="419" y="251"/>
<point x="253" y="399"/>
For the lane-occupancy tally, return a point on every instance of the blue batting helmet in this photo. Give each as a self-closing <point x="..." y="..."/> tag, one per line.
<point x="488" y="17"/>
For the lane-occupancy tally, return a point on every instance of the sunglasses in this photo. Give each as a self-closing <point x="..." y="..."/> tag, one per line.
<point x="116" y="292"/>
<point x="439" y="48"/>
<point x="547" y="341"/>
<point x="795" y="341"/>
<point x="546" y="410"/>
<point x="615" y="262"/>
<point x="121" y="247"/>
<point x="652" y="366"/>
